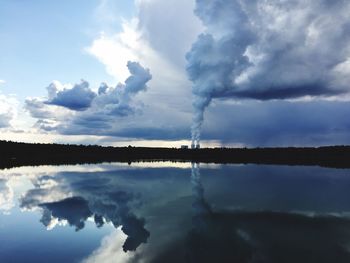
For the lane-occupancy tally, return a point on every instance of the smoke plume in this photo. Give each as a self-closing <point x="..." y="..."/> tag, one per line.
<point x="267" y="50"/>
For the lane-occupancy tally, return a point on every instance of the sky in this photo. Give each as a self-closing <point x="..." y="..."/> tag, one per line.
<point x="160" y="73"/>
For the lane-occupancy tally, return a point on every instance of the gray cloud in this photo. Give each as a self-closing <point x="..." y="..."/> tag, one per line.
<point x="269" y="50"/>
<point x="118" y="194"/>
<point x="279" y="123"/>
<point x="8" y="109"/>
<point x="170" y="36"/>
<point x="5" y="119"/>
<point x="79" y="97"/>
<point x="39" y="109"/>
<point x="153" y="133"/>
<point x="81" y="109"/>
<point x="260" y="50"/>
<point x="138" y="79"/>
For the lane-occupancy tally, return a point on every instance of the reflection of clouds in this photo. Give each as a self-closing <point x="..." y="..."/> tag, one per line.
<point x="118" y="195"/>
<point x="75" y="210"/>
<point x="75" y="197"/>
<point x="270" y="237"/>
<point x="110" y="250"/>
<point x="208" y="240"/>
<point x="126" y="196"/>
<point x="6" y="197"/>
<point x="51" y="222"/>
<point x="263" y="237"/>
<point x="35" y="171"/>
<point x="47" y="189"/>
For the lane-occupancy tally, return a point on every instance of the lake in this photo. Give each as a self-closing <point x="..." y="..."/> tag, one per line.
<point x="174" y="212"/>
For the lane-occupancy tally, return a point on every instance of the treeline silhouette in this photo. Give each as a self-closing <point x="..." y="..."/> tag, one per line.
<point x="14" y="154"/>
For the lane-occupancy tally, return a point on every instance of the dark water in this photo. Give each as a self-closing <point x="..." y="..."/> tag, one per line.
<point x="163" y="212"/>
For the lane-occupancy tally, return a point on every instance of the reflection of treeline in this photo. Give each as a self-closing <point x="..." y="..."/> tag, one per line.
<point x="18" y="154"/>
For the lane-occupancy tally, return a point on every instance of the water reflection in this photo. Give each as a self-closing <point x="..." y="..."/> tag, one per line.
<point x="76" y="210"/>
<point x="219" y="214"/>
<point x="6" y="196"/>
<point x="265" y="236"/>
<point x="201" y="208"/>
<point x="103" y="205"/>
<point x="210" y="240"/>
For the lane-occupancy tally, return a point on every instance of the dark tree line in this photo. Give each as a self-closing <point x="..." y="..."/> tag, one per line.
<point x="18" y="154"/>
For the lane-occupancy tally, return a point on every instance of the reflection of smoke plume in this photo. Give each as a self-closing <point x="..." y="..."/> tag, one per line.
<point x="210" y="240"/>
<point x="200" y="206"/>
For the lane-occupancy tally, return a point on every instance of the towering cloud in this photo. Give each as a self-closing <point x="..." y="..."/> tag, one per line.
<point x="269" y="50"/>
<point x="136" y="82"/>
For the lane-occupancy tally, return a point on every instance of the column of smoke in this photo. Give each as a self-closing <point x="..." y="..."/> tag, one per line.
<point x="248" y="54"/>
<point x="200" y="206"/>
<point x="199" y="105"/>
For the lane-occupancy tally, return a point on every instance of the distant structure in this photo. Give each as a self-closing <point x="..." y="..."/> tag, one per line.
<point x="184" y="147"/>
<point x="195" y="145"/>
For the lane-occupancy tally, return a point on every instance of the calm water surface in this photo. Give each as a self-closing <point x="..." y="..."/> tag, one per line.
<point x="166" y="212"/>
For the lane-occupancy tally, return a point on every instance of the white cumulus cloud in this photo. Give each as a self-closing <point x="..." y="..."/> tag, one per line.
<point x="8" y="110"/>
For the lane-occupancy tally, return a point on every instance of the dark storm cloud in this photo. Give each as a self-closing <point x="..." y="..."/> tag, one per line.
<point x="269" y="50"/>
<point x="153" y="133"/>
<point x="103" y="126"/>
<point x="280" y="123"/>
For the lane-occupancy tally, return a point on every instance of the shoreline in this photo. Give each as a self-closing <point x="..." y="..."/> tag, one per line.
<point x="14" y="154"/>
